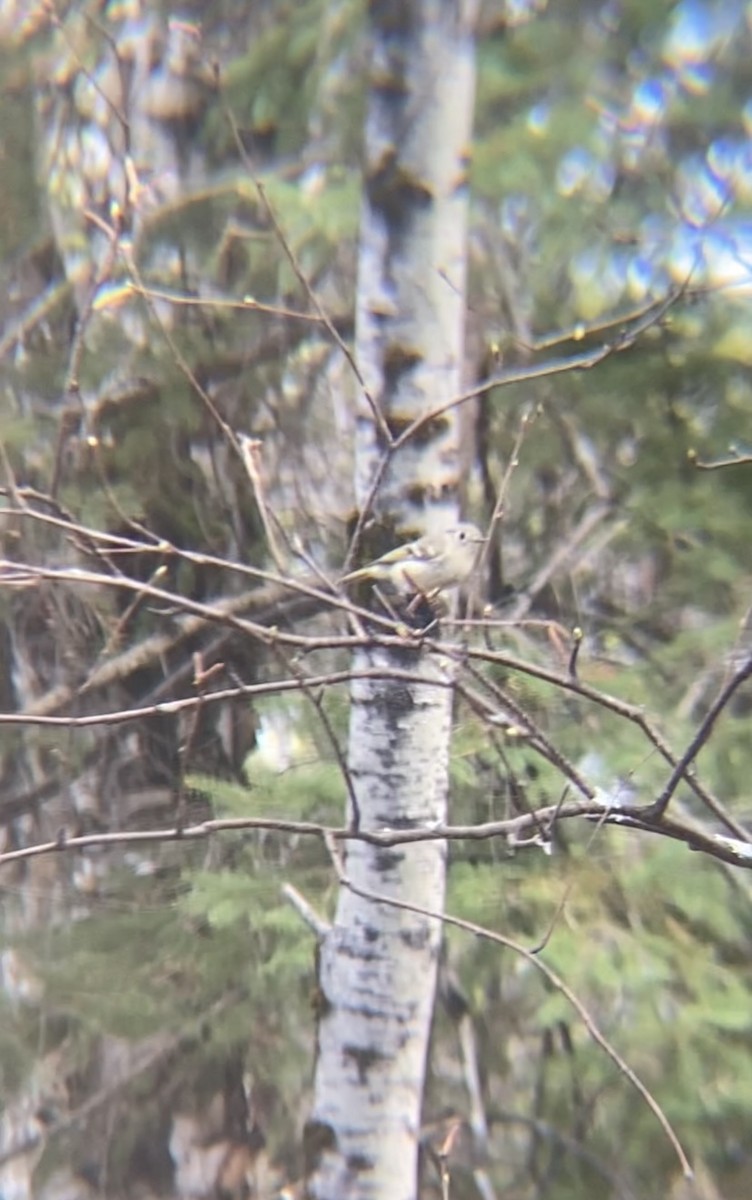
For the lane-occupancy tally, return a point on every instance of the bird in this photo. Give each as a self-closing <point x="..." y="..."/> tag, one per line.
<point x="428" y="565"/>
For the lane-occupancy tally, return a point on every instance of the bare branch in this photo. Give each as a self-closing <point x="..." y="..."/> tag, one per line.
<point x="728" y="850"/>
<point x="317" y="923"/>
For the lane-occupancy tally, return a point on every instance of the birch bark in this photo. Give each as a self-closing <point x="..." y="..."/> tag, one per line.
<point x="378" y="964"/>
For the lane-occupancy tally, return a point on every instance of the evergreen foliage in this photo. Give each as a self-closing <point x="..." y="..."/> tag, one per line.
<point x="199" y="942"/>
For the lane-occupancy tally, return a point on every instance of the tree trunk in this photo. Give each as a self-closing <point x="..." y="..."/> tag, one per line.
<point x="378" y="963"/>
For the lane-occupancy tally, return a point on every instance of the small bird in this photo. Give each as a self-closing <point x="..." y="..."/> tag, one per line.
<point x="428" y="565"/>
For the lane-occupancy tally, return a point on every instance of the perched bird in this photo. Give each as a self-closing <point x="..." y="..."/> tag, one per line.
<point x="428" y="565"/>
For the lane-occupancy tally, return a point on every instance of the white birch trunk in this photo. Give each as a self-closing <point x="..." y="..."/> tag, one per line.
<point x="378" y="963"/>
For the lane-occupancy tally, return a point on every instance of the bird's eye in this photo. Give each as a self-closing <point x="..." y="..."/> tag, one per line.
<point x="463" y="535"/>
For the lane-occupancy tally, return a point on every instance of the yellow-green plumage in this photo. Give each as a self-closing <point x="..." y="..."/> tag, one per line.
<point x="427" y="565"/>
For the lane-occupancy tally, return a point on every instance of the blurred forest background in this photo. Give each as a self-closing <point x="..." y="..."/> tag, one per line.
<point x="176" y="187"/>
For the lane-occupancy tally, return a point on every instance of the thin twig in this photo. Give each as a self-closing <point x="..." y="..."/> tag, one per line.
<point x="344" y="349"/>
<point x="551" y="976"/>
<point x="657" y="809"/>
